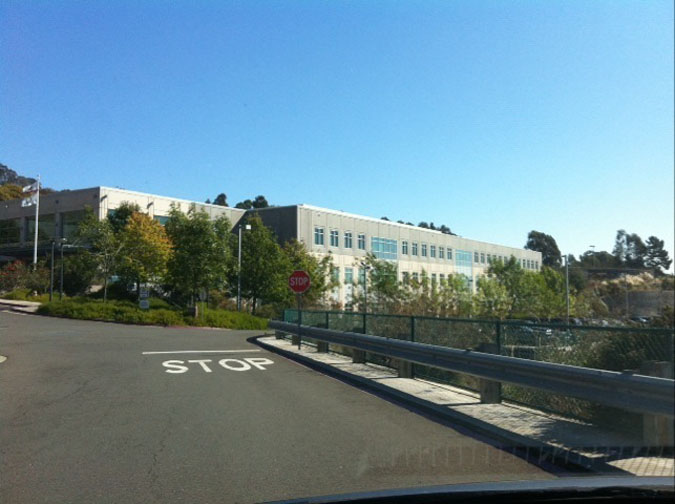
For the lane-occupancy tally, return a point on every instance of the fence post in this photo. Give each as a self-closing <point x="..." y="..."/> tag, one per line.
<point x="498" y="338"/>
<point x="490" y="391"/>
<point x="359" y="356"/>
<point x="322" y="346"/>
<point x="657" y="430"/>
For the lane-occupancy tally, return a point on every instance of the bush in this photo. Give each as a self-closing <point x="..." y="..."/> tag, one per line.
<point x="25" y="295"/>
<point x="160" y="313"/>
<point x="227" y="319"/>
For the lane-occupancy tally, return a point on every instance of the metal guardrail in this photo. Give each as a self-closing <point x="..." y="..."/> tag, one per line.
<point x="642" y="394"/>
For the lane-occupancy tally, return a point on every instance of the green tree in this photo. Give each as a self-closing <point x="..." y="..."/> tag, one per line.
<point x="629" y="250"/>
<point x="657" y="256"/>
<point x="383" y="290"/>
<point x="263" y="266"/>
<point x="492" y="299"/>
<point x="200" y="248"/>
<point x="79" y="272"/>
<point x="221" y="200"/>
<point x="105" y="246"/>
<point x="298" y="258"/>
<point x="147" y="250"/>
<point x="546" y="244"/>
<point x="10" y="192"/>
<point x="119" y="217"/>
<point x="259" y="202"/>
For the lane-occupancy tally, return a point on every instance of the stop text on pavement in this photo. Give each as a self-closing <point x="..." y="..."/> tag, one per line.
<point x="175" y="366"/>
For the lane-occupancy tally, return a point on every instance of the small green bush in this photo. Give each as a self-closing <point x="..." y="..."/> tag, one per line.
<point x="25" y="295"/>
<point x="128" y="312"/>
<point x="227" y="319"/>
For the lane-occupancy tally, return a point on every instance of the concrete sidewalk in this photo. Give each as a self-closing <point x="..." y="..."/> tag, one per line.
<point x="19" y="306"/>
<point x="568" y="440"/>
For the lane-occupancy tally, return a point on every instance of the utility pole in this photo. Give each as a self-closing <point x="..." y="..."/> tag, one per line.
<point x="61" y="279"/>
<point x="37" y="218"/>
<point x="567" y="286"/>
<point x="248" y="227"/>
<point x="239" y="272"/>
<point x="51" y="274"/>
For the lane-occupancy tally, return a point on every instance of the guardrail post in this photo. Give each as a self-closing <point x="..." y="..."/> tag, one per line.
<point x="364" y="324"/>
<point x="490" y="391"/>
<point x="657" y="430"/>
<point x="322" y="346"/>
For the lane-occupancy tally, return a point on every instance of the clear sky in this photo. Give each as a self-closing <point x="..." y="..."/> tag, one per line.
<point x="494" y="118"/>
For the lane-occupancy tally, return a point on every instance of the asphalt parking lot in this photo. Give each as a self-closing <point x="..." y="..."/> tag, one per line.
<point x="101" y="412"/>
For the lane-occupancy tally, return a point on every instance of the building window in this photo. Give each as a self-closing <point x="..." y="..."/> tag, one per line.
<point x="416" y="277"/>
<point x="424" y="250"/>
<point x="441" y="252"/>
<point x="335" y="274"/>
<point x="334" y="238"/>
<point x="349" y="275"/>
<point x="414" y="248"/>
<point x="482" y="257"/>
<point x="404" y="247"/>
<point x="362" y="276"/>
<point x="441" y="277"/>
<point x="362" y="241"/>
<point x="318" y="235"/>
<point x="449" y="254"/>
<point x="432" y="250"/>
<point x="10" y="231"/>
<point x="161" y="219"/>
<point x="433" y="279"/>
<point x="476" y="258"/>
<point x="406" y="277"/>
<point x="348" y="239"/>
<point x="384" y="248"/>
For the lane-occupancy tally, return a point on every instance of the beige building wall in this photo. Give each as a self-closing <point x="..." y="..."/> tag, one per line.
<point x="310" y="217"/>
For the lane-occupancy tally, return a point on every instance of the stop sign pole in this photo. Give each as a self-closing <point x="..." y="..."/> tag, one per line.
<point x="299" y="282"/>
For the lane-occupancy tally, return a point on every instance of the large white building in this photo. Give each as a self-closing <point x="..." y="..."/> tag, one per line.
<point x="347" y="237"/>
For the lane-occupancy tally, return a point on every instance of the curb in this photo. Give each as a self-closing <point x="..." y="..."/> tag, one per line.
<point x="536" y="452"/>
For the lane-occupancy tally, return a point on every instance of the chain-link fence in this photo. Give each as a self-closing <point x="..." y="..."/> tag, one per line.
<point x="627" y="349"/>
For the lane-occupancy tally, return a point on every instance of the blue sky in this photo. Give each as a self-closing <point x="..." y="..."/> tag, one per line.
<point x="494" y="118"/>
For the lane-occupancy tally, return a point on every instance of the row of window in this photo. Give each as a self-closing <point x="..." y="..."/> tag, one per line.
<point x="384" y="248"/>
<point x="10" y="229"/>
<point x="482" y="258"/>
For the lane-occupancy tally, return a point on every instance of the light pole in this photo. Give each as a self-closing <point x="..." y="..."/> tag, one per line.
<point x="51" y="273"/>
<point x="567" y="286"/>
<point x="248" y="227"/>
<point x="63" y="243"/>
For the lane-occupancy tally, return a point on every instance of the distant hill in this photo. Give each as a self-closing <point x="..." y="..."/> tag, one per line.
<point x="11" y="184"/>
<point x="9" y="176"/>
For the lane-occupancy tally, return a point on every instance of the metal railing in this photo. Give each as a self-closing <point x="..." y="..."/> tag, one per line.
<point x="641" y="394"/>
<point x="623" y="349"/>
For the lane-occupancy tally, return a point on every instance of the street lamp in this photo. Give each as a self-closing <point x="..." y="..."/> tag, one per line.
<point x="248" y="227"/>
<point x="567" y="286"/>
<point x="63" y="244"/>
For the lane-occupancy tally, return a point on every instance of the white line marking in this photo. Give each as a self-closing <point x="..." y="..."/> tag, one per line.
<point x="201" y="351"/>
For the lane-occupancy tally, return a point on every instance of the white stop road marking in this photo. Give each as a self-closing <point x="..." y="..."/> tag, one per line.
<point x="179" y="366"/>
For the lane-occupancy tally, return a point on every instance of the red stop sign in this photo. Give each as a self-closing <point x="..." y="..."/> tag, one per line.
<point x="299" y="281"/>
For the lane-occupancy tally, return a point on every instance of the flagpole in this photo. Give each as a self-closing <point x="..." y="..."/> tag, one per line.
<point x="37" y="213"/>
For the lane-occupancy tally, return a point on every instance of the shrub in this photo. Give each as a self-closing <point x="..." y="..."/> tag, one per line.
<point x="23" y="294"/>
<point x="227" y="319"/>
<point x="160" y="313"/>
